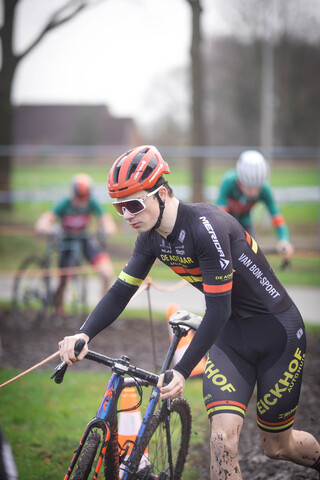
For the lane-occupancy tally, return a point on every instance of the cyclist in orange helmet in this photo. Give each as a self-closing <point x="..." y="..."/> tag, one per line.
<point x="74" y="214"/>
<point x="137" y="170"/>
<point x="251" y="329"/>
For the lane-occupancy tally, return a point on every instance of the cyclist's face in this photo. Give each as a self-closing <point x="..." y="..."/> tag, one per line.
<point x="80" y="201"/>
<point x="145" y="220"/>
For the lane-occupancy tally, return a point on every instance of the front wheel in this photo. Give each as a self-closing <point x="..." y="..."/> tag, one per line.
<point x="88" y="457"/>
<point x="31" y="294"/>
<point x="151" y="458"/>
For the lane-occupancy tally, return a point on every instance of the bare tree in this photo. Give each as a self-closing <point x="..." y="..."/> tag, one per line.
<point x="269" y="23"/>
<point x="9" y="64"/>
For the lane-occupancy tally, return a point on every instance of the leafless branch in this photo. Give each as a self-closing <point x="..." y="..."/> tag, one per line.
<point x="61" y="16"/>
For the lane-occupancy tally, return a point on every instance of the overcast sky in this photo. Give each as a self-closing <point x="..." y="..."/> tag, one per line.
<point x="110" y="54"/>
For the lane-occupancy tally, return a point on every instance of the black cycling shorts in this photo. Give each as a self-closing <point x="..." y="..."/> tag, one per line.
<point x="264" y="350"/>
<point x="91" y="250"/>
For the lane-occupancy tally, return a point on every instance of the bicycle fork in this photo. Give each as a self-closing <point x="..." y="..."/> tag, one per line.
<point x="95" y="423"/>
<point x="106" y="420"/>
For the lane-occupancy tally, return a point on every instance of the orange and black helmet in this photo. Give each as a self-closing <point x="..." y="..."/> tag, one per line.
<point x="82" y="185"/>
<point x="138" y="169"/>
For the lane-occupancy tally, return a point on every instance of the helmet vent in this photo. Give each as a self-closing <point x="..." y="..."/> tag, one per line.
<point x="135" y="162"/>
<point x="153" y="163"/>
<point x="118" y="168"/>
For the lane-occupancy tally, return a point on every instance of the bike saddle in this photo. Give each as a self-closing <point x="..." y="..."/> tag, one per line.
<point x="186" y="319"/>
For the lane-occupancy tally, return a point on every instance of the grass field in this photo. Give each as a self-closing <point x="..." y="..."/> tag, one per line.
<point x="47" y="174"/>
<point x="43" y="421"/>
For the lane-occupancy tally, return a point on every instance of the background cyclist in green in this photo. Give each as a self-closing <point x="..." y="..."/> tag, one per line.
<point x="74" y="214"/>
<point x="243" y="187"/>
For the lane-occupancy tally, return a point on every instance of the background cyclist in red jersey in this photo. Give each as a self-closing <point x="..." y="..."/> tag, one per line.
<point x="242" y="188"/>
<point x="74" y="214"/>
<point x="251" y="328"/>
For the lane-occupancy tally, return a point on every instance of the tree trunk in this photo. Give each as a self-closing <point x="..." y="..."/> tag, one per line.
<point x="6" y="120"/>
<point x="197" y="166"/>
<point x="9" y="64"/>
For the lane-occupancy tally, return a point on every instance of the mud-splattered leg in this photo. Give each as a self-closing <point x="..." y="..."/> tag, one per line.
<point x="224" y="440"/>
<point x="293" y="445"/>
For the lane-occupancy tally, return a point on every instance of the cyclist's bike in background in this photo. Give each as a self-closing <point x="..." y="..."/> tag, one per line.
<point x="38" y="282"/>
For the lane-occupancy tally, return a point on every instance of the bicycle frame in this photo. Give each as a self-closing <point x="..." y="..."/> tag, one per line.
<point x="38" y="286"/>
<point x="153" y="402"/>
<point x="106" y="418"/>
<point x="59" y="245"/>
<point x="65" y="243"/>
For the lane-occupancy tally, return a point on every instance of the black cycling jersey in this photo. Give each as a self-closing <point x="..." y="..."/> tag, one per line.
<point x="211" y="250"/>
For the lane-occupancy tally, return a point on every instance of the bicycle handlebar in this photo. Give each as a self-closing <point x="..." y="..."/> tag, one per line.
<point x="120" y="366"/>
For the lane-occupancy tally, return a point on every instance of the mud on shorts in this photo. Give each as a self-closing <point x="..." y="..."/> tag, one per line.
<point x="264" y="350"/>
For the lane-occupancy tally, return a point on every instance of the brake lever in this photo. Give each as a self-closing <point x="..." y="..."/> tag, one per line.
<point x="60" y="370"/>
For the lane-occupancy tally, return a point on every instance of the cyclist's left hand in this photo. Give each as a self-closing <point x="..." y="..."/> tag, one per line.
<point x="174" y="389"/>
<point x="285" y="249"/>
<point x="108" y="224"/>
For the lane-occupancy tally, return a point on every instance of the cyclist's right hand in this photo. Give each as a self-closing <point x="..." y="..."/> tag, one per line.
<point x="285" y="250"/>
<point x="66" y="348"/>
<point x="55" y="232"/>
<point x="174" y="389"/>
<point x="44" y="224"/>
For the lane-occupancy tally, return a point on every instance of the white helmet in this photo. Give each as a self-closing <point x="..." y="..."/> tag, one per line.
<point x="252" y="169"/>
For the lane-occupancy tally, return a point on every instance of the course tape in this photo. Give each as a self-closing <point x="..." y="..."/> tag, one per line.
<point x="51" y="272"/>
<point x="30" y="369"/>
<point x="150" y="283"/>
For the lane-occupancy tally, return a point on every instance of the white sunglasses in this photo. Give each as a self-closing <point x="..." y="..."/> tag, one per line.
<point x="134" y="205"/>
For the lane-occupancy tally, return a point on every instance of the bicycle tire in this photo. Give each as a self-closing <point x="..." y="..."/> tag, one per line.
<point x="155" y="440"/>
<point x="87" y="457"/>
<point x="111" y="460"/>
<point x="31" y="295"/>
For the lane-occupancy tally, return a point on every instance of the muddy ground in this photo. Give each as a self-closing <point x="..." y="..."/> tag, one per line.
<point x="21" y="350"/>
